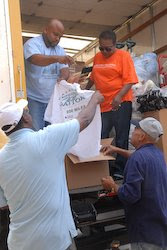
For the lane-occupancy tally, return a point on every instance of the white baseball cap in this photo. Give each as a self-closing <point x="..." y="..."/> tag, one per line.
<point x="152" y="127"/>
<point x="11" y="113"/>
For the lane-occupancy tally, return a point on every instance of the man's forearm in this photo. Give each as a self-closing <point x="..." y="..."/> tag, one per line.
<point x="43" y="60"/>
<point x="87" y="114"/>
<point x="123" y="152"/>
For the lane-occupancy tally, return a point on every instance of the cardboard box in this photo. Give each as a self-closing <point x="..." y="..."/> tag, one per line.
<point x="88" y="172"/>
<point x="161" y="116"/>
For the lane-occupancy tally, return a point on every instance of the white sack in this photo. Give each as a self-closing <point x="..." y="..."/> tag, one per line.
<point x="65" y="104"/>
<point x="142" y="88"/>
<point x="146" y="67"/>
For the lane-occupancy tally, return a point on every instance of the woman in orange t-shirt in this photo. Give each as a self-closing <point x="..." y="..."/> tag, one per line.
<point x="113" y="75"/>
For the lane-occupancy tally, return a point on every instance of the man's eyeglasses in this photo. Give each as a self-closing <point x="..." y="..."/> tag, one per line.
<point x="108" y="49"/>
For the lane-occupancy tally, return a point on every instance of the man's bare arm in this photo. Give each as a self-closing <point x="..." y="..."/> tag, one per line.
<point x="44" y="60"/>
<point x="110" y="149"/>
<point x="87" y="114"/>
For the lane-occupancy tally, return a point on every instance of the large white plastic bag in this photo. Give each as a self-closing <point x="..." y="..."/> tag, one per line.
<point x="142" y="88"/>
<point x="146" y="67"/>
<point x="151" y="63"/>
<point x="141" y="72"/>
<point x="65" y="104"/>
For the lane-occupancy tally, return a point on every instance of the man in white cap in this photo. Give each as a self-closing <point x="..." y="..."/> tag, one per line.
<point x="143" y="191"/>
<point x="32" y="177"/>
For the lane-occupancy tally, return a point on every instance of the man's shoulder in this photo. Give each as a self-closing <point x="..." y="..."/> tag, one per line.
<point x="146" y="151"/>
<point x="138" y="154"/>
<point x="35" y="40"/>
<point x="60" y="126"/>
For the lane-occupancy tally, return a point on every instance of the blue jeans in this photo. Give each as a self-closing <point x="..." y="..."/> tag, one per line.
<point x="37" y="111"/>
<point x="120" y="120"/>
<point x="4" y="228"/>
<point x="146" y="246"/>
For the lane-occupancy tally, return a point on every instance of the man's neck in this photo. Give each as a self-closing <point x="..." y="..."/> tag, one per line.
<point x="143" y="144"/>
<point x="46" y="41"/>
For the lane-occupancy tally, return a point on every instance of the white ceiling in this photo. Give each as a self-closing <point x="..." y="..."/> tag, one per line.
<point x="80" y="17"/>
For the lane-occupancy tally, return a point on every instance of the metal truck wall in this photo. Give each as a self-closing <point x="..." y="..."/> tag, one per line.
<point x="6" y="65"/>
<point x="147" y="29"/>
<point x="12" y="76"/>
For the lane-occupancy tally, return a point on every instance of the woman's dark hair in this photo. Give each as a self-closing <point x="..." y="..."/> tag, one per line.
<point x="108" y="34"/>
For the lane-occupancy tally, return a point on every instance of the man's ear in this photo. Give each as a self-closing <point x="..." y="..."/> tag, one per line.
<point x="142" y="136"/>
<point x="45" y="30"/>
<point x="25" y="118"/>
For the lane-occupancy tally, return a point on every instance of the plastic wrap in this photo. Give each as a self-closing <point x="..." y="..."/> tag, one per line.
<point x="147" y="67"/>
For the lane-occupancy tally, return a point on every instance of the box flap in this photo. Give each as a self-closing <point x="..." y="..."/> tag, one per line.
<point x="106" y="141"/>
<point x="100" y="157"/>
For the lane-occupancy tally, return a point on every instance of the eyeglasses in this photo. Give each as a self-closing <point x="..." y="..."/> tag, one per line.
<point x="108" y="49"/>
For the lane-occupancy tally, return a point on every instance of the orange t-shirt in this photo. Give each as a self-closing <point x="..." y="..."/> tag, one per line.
<point x="111" y="74"/>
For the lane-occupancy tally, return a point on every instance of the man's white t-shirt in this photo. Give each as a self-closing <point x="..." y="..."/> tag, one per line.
<point x="33" y="184"/>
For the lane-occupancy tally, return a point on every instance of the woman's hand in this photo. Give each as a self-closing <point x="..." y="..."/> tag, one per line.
<point x="116" y="103"/>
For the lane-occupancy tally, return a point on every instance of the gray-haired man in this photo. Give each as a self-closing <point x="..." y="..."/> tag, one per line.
<point x="144" y="189"/>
